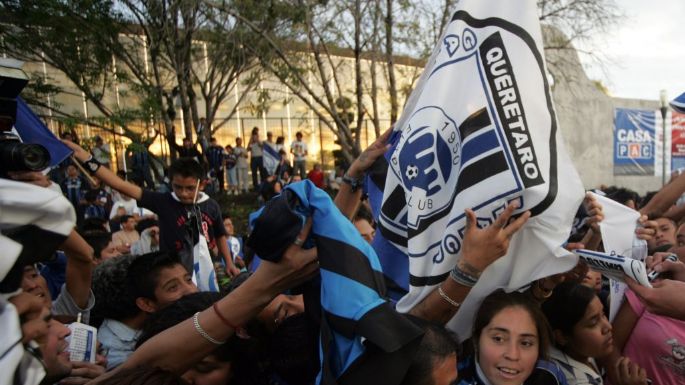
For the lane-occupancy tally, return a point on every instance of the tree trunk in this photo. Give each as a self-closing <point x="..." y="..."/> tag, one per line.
<point x="392" y="83"/>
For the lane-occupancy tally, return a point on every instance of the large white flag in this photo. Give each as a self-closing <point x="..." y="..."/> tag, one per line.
<point x="480" y="131"/>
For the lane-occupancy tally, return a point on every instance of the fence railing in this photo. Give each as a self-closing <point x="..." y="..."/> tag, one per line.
<point x="321" y="141"/>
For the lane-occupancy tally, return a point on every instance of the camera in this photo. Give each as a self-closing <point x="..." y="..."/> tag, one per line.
<point x="15" y="155"/>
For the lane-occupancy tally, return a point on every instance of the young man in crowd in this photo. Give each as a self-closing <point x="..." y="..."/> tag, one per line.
<point x="316" y="176"/>
<point x="216" y="157"/>
<point x="235" y="244"/>
<point x="299" y="149"/>
<point x="74" y="188"/>
<point x="102" y="152"/>
<point x="241" y="165"/>
<point x="127" y="236"/>
<point x="182" y="213"/>
<point x="158" y="279"/>
<point x="188" y="150"/>
<point x="665" y="236"/>
<point x="130" y="288"/>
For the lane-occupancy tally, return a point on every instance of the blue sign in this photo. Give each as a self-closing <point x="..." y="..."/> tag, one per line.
<point x="634" y="136"/>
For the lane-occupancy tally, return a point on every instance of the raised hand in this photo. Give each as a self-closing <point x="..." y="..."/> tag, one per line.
<point x="484" y="246"/>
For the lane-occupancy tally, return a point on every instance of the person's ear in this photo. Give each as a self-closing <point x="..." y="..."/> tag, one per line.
<point x="147" y="305"/>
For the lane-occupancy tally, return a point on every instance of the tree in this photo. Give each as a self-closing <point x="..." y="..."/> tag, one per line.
<point x="332" y="56"/>
<point x="570" y="24"/>
<point x="97" y="44"/>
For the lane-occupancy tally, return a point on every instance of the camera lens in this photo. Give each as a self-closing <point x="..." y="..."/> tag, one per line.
<point x="17" y="156"/>
<point x="36" y="157"/>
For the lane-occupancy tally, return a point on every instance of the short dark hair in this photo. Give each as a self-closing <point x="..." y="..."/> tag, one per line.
<point x="143" y="274"/>
<point x="124" y="218"/>
<point x="145" y="224"/>
<point x="186" y="167"/>
<point x="437" y="344"/>
<point x="181" y="310"/>
<point x="363" y="213"/>
<point x="114" y="297"/>
<point x="298" y="133"/>
<point x="622" y="195"/>
<point x="567" y="306"/>
<point x="91" y="224"/>
<point x="98" y="240"/>
<point x="500" y="300"/>
<point x="91" y="196"/>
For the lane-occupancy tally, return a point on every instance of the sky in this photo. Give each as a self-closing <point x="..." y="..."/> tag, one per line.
<point x="645" y="52"/>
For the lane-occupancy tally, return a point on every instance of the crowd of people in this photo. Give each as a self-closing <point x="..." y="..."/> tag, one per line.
<point x="130" y="269"/>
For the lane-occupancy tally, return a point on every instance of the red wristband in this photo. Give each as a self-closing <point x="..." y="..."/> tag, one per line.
<point x="222" y="318"/>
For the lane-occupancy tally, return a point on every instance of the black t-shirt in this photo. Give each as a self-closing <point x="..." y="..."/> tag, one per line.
<point x="178" y="231"/>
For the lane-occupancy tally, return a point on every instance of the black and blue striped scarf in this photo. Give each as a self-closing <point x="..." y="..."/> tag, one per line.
<point x="356" y="318"/>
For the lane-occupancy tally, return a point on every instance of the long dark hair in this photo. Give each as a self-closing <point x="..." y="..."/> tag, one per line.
<point x="567" y="306"/>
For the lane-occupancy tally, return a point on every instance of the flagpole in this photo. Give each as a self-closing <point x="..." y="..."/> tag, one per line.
<point x="664" y="110"/>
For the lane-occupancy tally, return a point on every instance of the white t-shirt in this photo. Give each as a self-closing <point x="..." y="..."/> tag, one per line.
<point x="299" y="148"/>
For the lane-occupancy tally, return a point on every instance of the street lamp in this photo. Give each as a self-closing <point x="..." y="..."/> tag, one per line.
<point x="663" y="97"/>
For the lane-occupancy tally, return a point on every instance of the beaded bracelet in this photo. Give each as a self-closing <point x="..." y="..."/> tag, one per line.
<point x="203" y="333"/>
<point x="462" y="278"/>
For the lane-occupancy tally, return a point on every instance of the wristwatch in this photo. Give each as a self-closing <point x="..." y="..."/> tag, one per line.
<point x="91" y="165"/>
<point x="355" y="183"/>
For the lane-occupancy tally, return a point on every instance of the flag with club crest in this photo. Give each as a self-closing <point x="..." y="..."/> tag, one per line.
<point x="479" y="131"/>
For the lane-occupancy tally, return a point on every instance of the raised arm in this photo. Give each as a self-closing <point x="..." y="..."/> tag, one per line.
<point x="665" y="198"/>
<point x="180" y="347"/>
<point x="106" y="175"/>
<point x="79" y="268"/>
<point x="481" y="248"/>
<point x="346" y="199"/>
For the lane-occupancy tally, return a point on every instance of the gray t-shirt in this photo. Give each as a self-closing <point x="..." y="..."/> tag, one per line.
<point x="239" y="153"/>
<point x="256" y="149"/>
<point x="65" y="305"/>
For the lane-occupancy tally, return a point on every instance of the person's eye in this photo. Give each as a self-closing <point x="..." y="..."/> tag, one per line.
<point x="172" y="288"/>
<point x="528" y="343"/>
<point x="498" y="339"/>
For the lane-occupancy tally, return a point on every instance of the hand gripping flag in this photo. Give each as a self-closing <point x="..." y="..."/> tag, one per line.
<point x="362" y="337"/>
<point x="480" y="131"/>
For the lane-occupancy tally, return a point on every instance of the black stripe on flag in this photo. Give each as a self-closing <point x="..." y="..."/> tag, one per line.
<point x="427" y="281"/>
<point x="481" y="170"/>
<point x="394" y="204"/>
<point x="378" y="172"/>
<point x="476" y="121"/>
<point x="348" y="261"/>
<point x="392" y="236"/>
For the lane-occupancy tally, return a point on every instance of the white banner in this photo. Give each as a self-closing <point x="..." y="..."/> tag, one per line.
<point x="480" y="131"/>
